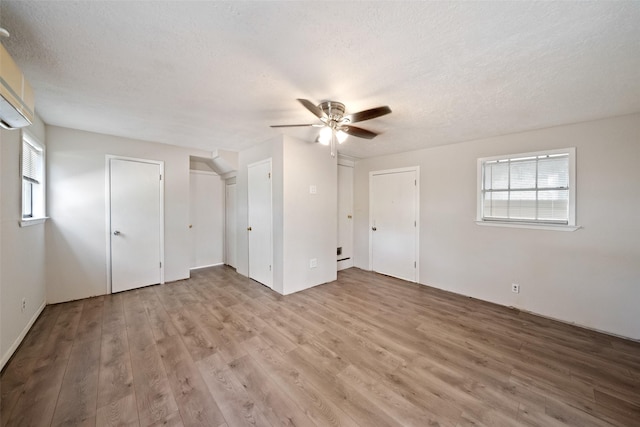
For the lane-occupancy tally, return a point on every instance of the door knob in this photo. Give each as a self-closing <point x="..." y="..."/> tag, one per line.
<point x="116" y="233"/>
<point x="248" y="228"/>
<point x="374" y="228"/>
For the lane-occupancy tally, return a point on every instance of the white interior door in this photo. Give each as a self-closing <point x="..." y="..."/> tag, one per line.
<point x="394" y="216"/>
<point x="135" y="223"/>
<point x="345" y="216"/>
<point x="230" y="225"/>
<point x="206" y="219"/>
<point x="260" y="223"/>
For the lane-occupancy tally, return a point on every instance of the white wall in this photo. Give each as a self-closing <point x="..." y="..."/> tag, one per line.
<point x="304" y="225"/>
<point x="22" y="266"/>
<point x="76" y="234"/>
<point x="590" y="277"/>
<point x="310" y="220"/>
<point x="206" y="215"/>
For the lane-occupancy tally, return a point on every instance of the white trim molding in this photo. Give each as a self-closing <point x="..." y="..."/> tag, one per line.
<point x="28" y="222"/>
<point x="18" y="341"/>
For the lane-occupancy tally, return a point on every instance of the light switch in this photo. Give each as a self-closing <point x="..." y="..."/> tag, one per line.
<point x="313" y="189"/>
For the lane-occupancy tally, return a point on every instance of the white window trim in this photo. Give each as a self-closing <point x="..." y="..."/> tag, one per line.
<point x="28" y="222"/>
<point x="31" y="139"/>
<point x="570" y="226"/>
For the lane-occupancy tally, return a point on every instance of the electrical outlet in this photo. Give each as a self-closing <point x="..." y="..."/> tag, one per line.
<point x="313" y="263"/>
<point x="23" y="306"/>
<point x="313" y="189"/>
<point x="515" y="288"/>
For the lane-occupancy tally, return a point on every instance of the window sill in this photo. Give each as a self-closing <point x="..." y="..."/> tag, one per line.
<point x="551" y="227"/>
<point x="32" y="221"/>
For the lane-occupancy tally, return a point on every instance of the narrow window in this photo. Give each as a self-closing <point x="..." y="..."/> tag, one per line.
<point x="32" y="166"/>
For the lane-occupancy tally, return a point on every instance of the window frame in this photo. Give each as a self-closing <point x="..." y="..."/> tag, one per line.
<point x="531" y="224"/>
<point x="37" y="200"/>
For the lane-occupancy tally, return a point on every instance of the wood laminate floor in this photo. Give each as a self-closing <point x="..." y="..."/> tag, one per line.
<point x="367" y="350"/>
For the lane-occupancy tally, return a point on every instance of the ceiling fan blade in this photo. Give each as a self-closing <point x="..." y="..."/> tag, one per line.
<point x="311" y="107"/>
<point x="290" y="126"/>
<point x="359" y="132"/>
<point x="367" y="114"/>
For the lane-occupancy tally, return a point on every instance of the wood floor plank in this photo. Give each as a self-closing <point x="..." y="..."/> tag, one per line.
<point x="90" y="326"/>
<point x="121" y="413"/>
<point x="116" y="375"/>
<point x="37" y="403"/>
<point x="22" y="365"/>
<point x="630" y="411"/>
<point x="403" y="411"/>
<point x="60" y="341"/>
<point x="320" y="408"/>
<point x="172" y="420"/>
<point x="220" y="349"/>
<point x="154" y="397"/>
<point x="199" y="342"/>
<point x="135" y="314"/>
<point x="78" y="395"/>
<point x="196" y="405"/>
<point x="113" y="319"/>
<point x="352" y="402"/>
<point x="276" y="406"/>
<point x="230" y="395"/>
<point x="159" y="320"/>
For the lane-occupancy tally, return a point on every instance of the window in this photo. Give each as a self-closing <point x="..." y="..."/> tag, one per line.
<point x="531" y="189"/>
<point x="32" y="167"/>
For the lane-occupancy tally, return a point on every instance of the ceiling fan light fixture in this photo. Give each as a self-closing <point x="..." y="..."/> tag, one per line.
<point x="325" y="135"/>
<point x="342" y="136"/>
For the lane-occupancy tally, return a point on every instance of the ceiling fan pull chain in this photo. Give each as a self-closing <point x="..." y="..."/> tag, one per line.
<point x="333" y="143"/>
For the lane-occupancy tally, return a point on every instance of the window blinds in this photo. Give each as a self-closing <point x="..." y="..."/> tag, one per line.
<point x="533" y="189"/>
<point x="31" y="163"/>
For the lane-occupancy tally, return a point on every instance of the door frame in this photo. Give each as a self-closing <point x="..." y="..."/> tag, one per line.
<point x="160" y="163"/>
<point x="227" y="238"/>
<point x="415" y="169"/>
<point x="250" y="165"/>
<point x="348" y="164"/>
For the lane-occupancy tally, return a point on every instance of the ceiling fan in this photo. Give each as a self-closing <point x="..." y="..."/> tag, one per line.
<point x="336" y="126"/>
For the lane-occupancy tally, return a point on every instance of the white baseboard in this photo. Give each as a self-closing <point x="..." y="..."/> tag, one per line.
<point x="206" y="266"/>
<point x="347" y="263"/>
<point x="579" y="325"/>
<point x="533" y="313"/>
<point x="18" y="341"/>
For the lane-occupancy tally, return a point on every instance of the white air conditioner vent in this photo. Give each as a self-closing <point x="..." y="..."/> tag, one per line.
<point x="16" y="95"/>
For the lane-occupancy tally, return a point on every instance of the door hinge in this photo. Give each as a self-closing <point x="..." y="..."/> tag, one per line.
<point x="269" y="174"/>
<point x="269" y="268"/>
<point x="160" y="177"/>
<point x="160" y="264"/>
<point x="414" y="264"/>
<point x="415" y="224"/>
<point x="415" y="182"/>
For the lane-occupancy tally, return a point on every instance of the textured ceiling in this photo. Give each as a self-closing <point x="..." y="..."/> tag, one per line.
<point x="215" y="75"/>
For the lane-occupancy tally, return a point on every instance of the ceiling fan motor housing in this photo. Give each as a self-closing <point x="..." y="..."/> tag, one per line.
<point x="334" y="110"/>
